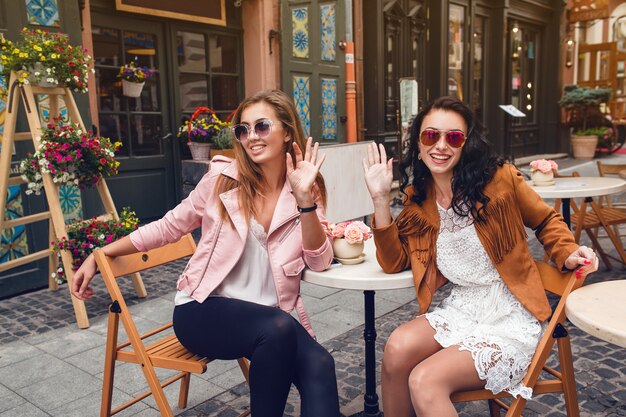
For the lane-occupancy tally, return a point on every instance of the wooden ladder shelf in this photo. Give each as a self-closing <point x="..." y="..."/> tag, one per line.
<point x="54" y="215"/>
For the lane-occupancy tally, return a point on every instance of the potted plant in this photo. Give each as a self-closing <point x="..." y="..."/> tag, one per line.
<point x="200" y="132"/>
<point x="47" y="59"/>
<point x="71" y="156"/>
<point x="223" y="142"/>
<point x="348" y="239"/>
<point x="542" y="171"/>
<point x="133" y="78"/>
<point x="85" y="236"/>
<point x="582" y="106"/>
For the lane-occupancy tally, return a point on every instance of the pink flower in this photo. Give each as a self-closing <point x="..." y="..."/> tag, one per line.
<point x="544" y="165"/>
<point x="353" y="233"/>
<point x="338" y="230"/>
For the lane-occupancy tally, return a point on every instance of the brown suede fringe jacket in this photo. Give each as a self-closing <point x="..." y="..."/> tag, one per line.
<point x="411" y="240"/>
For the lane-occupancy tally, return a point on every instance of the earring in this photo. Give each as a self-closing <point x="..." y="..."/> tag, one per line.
<point x="419" y="156"/>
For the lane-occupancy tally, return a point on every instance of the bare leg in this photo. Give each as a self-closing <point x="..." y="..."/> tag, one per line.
<point x="434" y="379"/>
<point x="407" y="346"/>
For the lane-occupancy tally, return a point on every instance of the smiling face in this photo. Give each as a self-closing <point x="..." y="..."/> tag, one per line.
<point x="269" y="150"/>
<point x="441" y="158"/>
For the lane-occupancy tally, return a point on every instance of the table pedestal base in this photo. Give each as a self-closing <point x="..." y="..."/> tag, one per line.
<point x="370" y="406"/>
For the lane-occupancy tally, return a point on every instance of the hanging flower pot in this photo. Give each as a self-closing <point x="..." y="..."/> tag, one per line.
<point x="200" y="151"/>
<point x="131" y="89"/>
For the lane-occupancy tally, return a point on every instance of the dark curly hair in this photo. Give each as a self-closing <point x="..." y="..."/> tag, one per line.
<point x="476" y="167"/>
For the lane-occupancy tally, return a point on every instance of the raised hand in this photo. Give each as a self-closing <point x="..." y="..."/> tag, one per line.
<point x="302" y="176"/>
<point x="378" y="172"/>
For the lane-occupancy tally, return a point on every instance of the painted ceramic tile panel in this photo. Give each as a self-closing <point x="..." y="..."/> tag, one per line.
<point x="328" y="32"/>
<point x="69" y="195"/>
<point x="329" y="108"/>
<point x="300" y="32"/>
<point x="42" y="12"/>
<point x="302" y="99"/>
<point x="44" y="109"/>
<point x="13" y="243"/>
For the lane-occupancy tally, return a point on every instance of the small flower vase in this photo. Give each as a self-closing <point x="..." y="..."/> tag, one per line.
<point x="200" y="151"/>
<point x="131" y="89"/>
<point x="541" y="178"/>
<point x="348" y="252"/>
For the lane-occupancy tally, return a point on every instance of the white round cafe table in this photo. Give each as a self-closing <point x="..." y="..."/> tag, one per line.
<point x="575" y="187"/>
<point x="369" y="277"/>
<point x="600" y="310"/>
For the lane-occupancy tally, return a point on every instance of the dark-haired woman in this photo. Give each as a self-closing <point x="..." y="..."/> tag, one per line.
<point x="463" y="222"/>
<point x="261" y="217"/>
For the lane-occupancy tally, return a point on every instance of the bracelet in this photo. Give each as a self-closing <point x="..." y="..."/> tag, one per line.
<point x="307" y="209"/>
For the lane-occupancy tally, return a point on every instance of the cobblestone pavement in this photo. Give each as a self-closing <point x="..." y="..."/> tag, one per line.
<point x="600" y="367"/>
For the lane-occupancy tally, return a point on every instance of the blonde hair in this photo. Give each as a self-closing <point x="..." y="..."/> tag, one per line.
<point x="251" y="181"/>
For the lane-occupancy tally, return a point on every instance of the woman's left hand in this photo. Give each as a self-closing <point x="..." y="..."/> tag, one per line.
<point x="583" y="260"/>
<point x="302" y="176"/>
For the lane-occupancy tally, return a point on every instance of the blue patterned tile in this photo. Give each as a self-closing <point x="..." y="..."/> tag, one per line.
<point x="43" y="100"/>
<point x="13" y="242"/>
<point x="302" y="100"/>
<point x="300" y="32"/>
<point x="42" y="12"/>
<point x="329" y="108"/>
<point x="328" y="31"/>
<point x="71" y="204"/>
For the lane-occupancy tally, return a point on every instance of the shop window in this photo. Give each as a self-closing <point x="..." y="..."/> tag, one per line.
<point x="456" y="53"/>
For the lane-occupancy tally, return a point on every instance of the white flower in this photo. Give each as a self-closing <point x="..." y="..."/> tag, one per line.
<point x="28" y="192"/>
<point x="101" y="237"/>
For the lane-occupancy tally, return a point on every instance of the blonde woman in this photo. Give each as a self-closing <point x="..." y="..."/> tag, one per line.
<point x="261" y="217"/>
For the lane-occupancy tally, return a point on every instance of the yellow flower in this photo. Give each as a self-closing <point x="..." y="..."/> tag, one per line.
<point x="41" y="57"/>
<point x="37" y="48"/>
<point x="54" y="56"/>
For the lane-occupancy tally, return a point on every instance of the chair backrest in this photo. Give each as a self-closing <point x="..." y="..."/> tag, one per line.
<point x="348" y="197"/>
<point x="610" y="169"/>
<point x="137" y="262"/>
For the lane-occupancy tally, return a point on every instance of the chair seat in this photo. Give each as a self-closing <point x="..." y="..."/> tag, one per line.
<point x="611" y="216"/>
<point x="167" y="353"/>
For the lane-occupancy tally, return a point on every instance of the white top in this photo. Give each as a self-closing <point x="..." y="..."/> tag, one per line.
<point x="574" y="187"/>
<point x="481" y="315"/>
<point x="251" y="279"/>
<point x="367" y="275"/>
<point x="600" y="310"/>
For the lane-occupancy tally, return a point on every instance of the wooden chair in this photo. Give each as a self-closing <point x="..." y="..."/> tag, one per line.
<point x="618" y="170"/>
<point x="591" y="217"/>
<point x="166" y="352"/>
<point x="560" y="284"/>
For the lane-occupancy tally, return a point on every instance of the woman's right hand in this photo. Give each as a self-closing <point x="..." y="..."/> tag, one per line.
<point x="378" y="173"/>
<point x="82" y="277"/>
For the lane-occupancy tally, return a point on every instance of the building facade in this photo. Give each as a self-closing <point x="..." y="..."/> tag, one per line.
<point x="213" y="53"/>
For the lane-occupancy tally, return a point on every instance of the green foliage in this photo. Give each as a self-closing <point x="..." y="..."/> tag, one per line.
<point x="581" y="100"/>
<point x="223" y="140"/>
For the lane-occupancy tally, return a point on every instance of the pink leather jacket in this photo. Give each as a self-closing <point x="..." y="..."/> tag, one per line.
<point x="222" y="242"/>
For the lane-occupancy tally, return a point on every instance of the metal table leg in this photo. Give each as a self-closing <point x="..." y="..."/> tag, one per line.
<point x="371" y="408"/>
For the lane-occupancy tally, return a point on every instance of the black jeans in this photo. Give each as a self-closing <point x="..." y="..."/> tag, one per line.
<point x="280" y="350"/>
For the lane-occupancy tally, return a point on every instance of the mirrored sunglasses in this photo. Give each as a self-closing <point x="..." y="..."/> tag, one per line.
<point x="455" y="138"/>
<point x="261" y="129"/>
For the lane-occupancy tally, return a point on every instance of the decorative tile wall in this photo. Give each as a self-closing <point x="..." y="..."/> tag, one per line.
<point x="42" y="12"/>
<point x="300" y="32"/>
<point x="329" y="108"/>
<point x="13" y="242"/>
<point x="328" y="31"/>
<point x="302" y="98"/>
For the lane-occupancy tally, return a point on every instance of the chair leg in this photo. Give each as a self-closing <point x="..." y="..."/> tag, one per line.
<point x="567" y="375"/>
<point x="245" y="368"/>
<point x="494" y="408"/>
<point x="109" y="365"/>
<point x="599" y="249"/>
<point x="516" y="407"/>
<point x="184" y="390"/>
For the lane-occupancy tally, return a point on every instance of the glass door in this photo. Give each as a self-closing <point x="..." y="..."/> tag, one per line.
<point x="141" y="123"/>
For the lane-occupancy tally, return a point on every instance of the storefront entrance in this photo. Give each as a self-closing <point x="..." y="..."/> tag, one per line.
<point x="143" y="124"/>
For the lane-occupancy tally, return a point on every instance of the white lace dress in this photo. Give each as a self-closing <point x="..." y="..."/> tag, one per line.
<point x="481" y="315"/>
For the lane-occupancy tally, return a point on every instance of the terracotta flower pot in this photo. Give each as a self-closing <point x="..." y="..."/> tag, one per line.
<point x="584" y="147"/>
